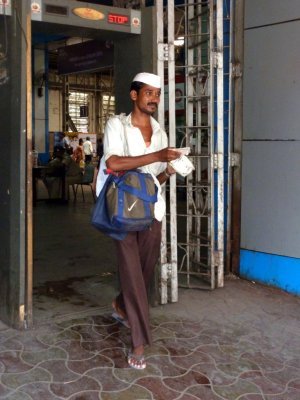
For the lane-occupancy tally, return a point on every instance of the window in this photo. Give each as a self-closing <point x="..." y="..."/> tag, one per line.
<point x="108" y="109"/>
<point x="78" y="101"/>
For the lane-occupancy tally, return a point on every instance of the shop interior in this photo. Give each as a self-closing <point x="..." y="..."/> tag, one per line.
<point x="74" y="269"/>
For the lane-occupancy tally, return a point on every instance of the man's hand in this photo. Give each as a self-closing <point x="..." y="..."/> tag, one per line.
<point x="170" y="170"/>
<point x="168" y="154"/>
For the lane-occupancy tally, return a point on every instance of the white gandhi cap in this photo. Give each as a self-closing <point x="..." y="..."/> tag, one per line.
<point x="149" y="79"/>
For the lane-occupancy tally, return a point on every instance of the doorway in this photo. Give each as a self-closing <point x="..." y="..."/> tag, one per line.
<point x="73" y="264"/>
<point x="71" y="282"/>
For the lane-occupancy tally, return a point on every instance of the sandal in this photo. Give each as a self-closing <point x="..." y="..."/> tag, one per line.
<point x="120" y="319"/>
<point x="136" y="361"/>
<point x="119" y="315"/>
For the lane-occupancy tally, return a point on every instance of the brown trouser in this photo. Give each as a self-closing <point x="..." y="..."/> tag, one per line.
<point x="137" y="255"/>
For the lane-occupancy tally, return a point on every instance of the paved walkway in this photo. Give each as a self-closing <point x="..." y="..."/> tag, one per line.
<point x="237" y="343"/>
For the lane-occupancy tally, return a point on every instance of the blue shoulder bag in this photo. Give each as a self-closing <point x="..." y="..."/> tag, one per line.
<point x="125" y="203"/>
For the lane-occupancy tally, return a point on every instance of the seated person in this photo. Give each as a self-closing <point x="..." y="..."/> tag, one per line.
<point x="62" y="166"/>
<point x="73" y="171"/>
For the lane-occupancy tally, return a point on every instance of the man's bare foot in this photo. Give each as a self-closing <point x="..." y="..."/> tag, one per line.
<point x="136" y="358"/>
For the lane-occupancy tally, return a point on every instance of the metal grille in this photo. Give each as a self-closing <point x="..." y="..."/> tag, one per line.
<point x="195" y="239"/>
<point x="107" y="109"/>
<point x="199" y="207"/>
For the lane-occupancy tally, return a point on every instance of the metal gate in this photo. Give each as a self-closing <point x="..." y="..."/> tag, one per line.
<point x="192" y="253"/>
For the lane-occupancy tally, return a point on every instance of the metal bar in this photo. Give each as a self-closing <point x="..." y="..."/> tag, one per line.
<point x="189" y="121"/>
<point x="189" y="4"/>
<point x="211" y="227"/>
<point x="29" y="225"/>
<point x="202" y="287"/>
<point x="197" y="44"/>
<point x="198" y="145"/>
<point x="161" y="120"/>
<point x="220" y="142"/>
<point x="199" y="274"/>
<point x="238" y="133"/>
<point x="191" y="35"/>
<point x="197" y="15"/>
<point x="172" y="142"/>
<point x="230" y="149"/>
<point x="193" y="66"/>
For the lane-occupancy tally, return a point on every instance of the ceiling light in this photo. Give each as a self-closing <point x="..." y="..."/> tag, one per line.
<point x="88" y="13"/>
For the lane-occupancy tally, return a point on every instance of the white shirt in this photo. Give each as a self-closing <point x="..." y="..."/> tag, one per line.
<point x="115" y="143"/>
<point x="66" y="141"/>
<point x="88" y="148"/>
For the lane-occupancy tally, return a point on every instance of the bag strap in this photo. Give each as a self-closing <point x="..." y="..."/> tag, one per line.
<point x="138" y="193"/>
<point x="123" y="122"/>
<point x="125" y="135"/>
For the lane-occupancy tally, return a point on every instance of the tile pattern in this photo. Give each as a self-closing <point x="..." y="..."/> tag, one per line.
<point x="85" y="359"/>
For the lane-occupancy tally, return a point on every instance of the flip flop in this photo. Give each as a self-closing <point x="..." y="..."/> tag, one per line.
<point x="136" y="362"/>
<point x="120" y="319"/>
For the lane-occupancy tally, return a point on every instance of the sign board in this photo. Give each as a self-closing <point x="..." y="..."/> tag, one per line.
<point x="85" y="57"/>
<point x="5" y="7"/>
<point x="36" y="10"/>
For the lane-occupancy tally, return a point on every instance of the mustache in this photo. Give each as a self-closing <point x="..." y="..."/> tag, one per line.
<point x="152" y="104"/>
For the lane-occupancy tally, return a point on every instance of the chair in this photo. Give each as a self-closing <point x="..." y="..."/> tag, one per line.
<point x="87" y="180"/>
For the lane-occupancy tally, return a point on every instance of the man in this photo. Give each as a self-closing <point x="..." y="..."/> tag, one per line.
<point x="66" y="142"/>
<point x="137" y="141"/>
<point x="88" y="150"/>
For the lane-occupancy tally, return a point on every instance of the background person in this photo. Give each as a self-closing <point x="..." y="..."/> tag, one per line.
<point x="146" y="148"/>
<point x="88" y="149"/>
<point x="78" y="153"/>
<point x="62" y="166"/>
<point x="99" y="148"/>
<point x="66" y="142"/>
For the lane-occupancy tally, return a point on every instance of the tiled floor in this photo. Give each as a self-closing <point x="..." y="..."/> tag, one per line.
<point x="251" y="353"/>
<point x="241" y="342"/>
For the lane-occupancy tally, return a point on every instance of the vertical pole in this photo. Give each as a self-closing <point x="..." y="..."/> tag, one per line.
<point x="160" y="60"/>
<point x="230" y="134"/>
<point x="197" y="252"/>
<point x="172" y="142"/>
<point x="29" y="233"/>
<point x="220" y="141"/>
<point x="161" y="119"/>
<point x="189" y="106"/>
<point x="29" y="272"/>
<point x="65" y="104"/>
<point x="238" y="133"/>
<point x="211" y="119"/>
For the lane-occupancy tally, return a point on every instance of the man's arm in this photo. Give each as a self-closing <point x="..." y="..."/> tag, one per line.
<point x="118" y="163"/>
<point x="165" y="175"/>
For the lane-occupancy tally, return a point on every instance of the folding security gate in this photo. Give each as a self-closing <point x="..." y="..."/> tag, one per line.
<point x="192" y="253"/>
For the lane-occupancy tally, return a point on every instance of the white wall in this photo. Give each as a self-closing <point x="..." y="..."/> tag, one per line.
<point x="271" y="132"/>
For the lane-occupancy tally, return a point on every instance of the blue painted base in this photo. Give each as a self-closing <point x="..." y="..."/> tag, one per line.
<point x="270" y="269"/>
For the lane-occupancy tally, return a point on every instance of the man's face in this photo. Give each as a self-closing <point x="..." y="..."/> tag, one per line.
<point x="147" y="99"/>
